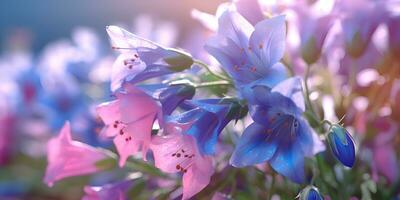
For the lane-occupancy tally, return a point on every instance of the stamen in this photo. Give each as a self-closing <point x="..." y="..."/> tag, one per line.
<point x="249" y="48"/>
<point x="260" y="46"/>
<point x="128" y="48"/>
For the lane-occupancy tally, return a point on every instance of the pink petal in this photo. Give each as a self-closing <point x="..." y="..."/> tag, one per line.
<point x="70" y="158"/>
<point x="197" y="177"/>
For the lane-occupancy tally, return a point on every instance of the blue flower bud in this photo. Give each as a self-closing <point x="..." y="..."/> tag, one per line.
<point x="342" y="145"/>
<point x="310" y="193"/>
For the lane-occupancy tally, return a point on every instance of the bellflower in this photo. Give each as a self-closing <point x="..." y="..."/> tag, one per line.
<point x="279" y="133"/>
<point x="207" y="119"/>
<point x="114" y="191"/>
<point x="358" y="31"/>
<point x="67" y="157"/>
<point x="313" y="25"/>
<point x="129" y="119"/>
<point x="178" y="152"/>
<point x="142" y="59"/>
<point x="342" y="145"/>
<point x="170" y="96"/>
<point x="250" y="53"/>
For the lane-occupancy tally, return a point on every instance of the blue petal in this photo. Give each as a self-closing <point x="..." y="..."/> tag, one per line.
<point x="342" y="145"/>
<point x="292" y="88"/>
<point x="232" y="25"/>
<point x="313" y="195"/>
<point x="289" y="162"/>
<point x="268" y="40"/>
<point x="255" y="146"/>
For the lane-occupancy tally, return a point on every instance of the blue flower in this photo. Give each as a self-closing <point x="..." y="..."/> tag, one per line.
<point x="142" y="59"/>
<point x="279" y="134"/>
<point x="342" y="145"/>
<point x="310" y="193"/>
<point x="170" y="96"/>
<point x="206" y="119"/>
<point x="250" y="53"/>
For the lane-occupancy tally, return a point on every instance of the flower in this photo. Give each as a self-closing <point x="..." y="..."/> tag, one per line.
<point x="206" y="120"/>
<point x="67" y="157"/>
<point x="279" y="134"/>
<point x="178" y="152"/>
<point x="310" y="193"/>
<point x="313" y="25"/>
<point x="142" y="59"/>
<point x="170" y="96"/>
<point x="342" y="145"/>
<point x="129" y="119"/>
<point x="250" y="53"/>
<point x="358" y="31"/>
<point x="113" y="191"/>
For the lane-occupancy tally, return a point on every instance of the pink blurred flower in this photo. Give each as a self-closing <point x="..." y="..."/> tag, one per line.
<point x="384" y="153"/>
<point x="178" y="152"/>
<point x="129" y="119"/>
<point x="114" y="191"/>
<point x="67" y="157"/>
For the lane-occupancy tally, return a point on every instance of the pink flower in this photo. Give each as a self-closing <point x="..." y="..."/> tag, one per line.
<point x="129" y="119"/>
<point x="67" y="157"/>
<point x="115" y="191"/>
<point x="178" y="152"/>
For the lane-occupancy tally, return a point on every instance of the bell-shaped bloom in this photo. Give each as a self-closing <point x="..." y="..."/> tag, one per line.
<point x="250" y="53"/>
<point x="67" y="157"/>
<point x="142" y="59"/>
<point x="170" y="96"/>
<point x="342" y="145"/>
<point x="114" y="191"/>
<point x="279" y="134"/>
<point x="357" y="30"/>
<point x="129" y="119"/>
<point x="313" y="26"/>
<point x="178" y="152"/>
<point x="206" y="120"/>
<point x="310" y="193"/>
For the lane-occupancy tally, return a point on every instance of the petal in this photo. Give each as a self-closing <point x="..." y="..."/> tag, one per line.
<point x="342" y="145"/>
<point x="308" y="139"/>
<point x="232" y="25"/>
<point x="289" y="161"/>
<point x="268" y="40"/>
<point x="250" y="9"/>
<point x="121" y="38"/>
<point x="109" y="112"/>
<point x="136" y="136"/>
<point x="197" y="177"/>
<point x="275" y="75"/>
<point x="165" y="147"/>
<point x="255" y="146"/>
<point x="120" y="71"/>
<point x="292" y="88"/>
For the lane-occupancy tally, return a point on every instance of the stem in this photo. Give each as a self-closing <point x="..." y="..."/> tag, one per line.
<point x="205" y="66"/>
<point x="213" y="84"/>
<point x="307" y="90"/>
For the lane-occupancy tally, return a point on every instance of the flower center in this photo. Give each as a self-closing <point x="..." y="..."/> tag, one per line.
<point x="184" y="158"/>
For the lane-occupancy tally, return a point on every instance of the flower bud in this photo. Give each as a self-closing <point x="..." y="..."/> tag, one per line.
<point x="342" y="145"/>
<point x="310" y="193"/>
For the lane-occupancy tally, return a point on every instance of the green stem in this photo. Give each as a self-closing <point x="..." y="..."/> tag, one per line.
<point x="213" y="84"/>
<point x="205" y="66"/>
<point x="307" y="91"/>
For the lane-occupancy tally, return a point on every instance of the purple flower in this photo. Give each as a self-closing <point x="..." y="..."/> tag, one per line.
<point x="142" y="59"/>
<point x="357" y="30"/>
<point x="279" y="134"/>
<point x="313" y="26"/>
<point x="250" y="53"/>
<point x="113" y="191"/>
